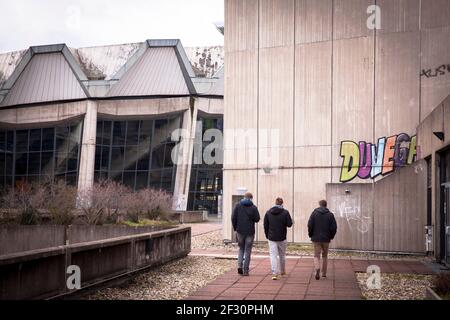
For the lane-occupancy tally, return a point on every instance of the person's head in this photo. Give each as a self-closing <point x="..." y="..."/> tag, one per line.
<point x="323" y="203"/>
<point x="248" y="195"/>
<point x="279" y="201"/>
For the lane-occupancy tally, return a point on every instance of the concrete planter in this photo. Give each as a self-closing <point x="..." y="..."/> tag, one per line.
<point x="104" y="254"/>
<point x="431" y="295"/>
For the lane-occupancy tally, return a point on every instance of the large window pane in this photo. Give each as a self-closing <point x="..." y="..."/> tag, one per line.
<point x="72" y="161"/>
<point x="105" y="158"/>
<point x="119" y="133"/>
<point x="166" y="179"/>
<point x="107" y="125"/>
<point x="130" y="158"/>
<point x="35" y="140"/>
<point x="2" y="164"/>
<point x="75" y="137"/>
<point x="98" y="157"/>
<point x="48" y="139"/>
<point x="62" y="139"/>
<point x="34" y="163"/>
<point x="47" y="164"/>
<point x="155" y="179"/>
<point x="22" y="141"/>
<point x="61" y="162"/>
<point x="117" y="155"/>
<point x="141" y="179"/>
<point x="2" y="141"/>
<point x="9" y="164"/>
<point x="129" y="179"/>
<point x="21" y="163"/>
<point x="143" y="156"/>
<point x="146" y="132"/>
<point x="98" y="140"/>
<point x="10" y="141"/>
<point x="132" y="133"/>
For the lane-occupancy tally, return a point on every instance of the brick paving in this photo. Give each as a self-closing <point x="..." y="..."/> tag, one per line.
<point x="299" y="283"/>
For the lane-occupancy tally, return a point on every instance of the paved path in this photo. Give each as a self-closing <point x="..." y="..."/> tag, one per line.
<point x="299" y="284"/>
<point x="202" y="228"/>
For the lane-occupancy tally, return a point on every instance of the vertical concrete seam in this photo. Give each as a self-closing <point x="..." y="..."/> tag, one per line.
<point x="257" y="113"/>
<point x="331" y="91"/>
<point x="420" y="61"/>
<point x="293" y="124"/>
<point x="373" y="125"/>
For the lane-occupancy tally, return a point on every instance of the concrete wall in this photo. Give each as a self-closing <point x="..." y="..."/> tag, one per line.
<point x="313" y="70"/>
<point x="40" y="274"/>
<point x="388" y="215"/>
<point x="430" y="146"/>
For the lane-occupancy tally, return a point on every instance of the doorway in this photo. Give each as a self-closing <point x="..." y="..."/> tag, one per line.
<point x="444" y="219"/>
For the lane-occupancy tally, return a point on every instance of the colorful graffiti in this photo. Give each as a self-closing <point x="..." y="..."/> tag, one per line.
<point x="366" y="160"/>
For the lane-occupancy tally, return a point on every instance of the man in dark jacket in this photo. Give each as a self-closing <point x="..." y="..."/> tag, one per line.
<point x="276" y="222"/>
<point x="245" y="215"/>
<point x="322" y="228"/>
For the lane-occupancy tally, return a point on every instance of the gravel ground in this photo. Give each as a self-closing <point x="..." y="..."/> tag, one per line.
<point x="213" y="240"/>
<point x="396" y="287"/>
<point x="173" y="281"/>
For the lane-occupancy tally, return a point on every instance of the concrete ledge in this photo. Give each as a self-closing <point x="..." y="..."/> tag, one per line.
<point x="42" y="273"/>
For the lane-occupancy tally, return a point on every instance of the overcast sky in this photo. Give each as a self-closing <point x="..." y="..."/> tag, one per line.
<point x="82" y="23"/>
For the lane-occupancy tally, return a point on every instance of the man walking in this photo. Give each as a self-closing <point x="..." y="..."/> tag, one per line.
<point x="322" y="228"/>
<point x="245" y="215"/>
<point x="276" y="222"/>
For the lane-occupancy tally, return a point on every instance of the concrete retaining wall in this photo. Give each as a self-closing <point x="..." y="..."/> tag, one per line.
<point x="42" y="273"/>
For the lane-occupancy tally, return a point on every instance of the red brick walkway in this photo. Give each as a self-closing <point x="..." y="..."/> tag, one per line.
<point x="299" y="283"/>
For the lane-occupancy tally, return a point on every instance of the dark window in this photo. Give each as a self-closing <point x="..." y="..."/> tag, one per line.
<point x="139" y="154"/>
<point x="206" y="180"/>
<point x="31" y="156"/>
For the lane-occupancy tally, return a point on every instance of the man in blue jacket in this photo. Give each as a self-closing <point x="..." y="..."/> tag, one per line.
<point x="322" y="228"/>
<point x="245" y="215"/>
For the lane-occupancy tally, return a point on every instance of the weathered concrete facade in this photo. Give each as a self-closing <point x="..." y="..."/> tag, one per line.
<point x="318" y="73"/>
<point x="147" y="82"/>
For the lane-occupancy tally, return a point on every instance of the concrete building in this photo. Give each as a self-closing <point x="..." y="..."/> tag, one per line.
<point x="82" y="115"/>
<point x="344" y="84"/>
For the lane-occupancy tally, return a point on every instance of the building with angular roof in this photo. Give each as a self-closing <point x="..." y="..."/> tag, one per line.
<point x="87" y="114"/>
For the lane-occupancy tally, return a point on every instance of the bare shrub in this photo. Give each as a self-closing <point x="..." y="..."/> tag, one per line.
<point x="60" y="202"/>
<point x="150" y="203"/>
<point x="27" y="199"/>
<point x="102" y="203"/>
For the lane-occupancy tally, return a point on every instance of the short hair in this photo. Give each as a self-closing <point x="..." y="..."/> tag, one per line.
<point x="323" y="203"/>
<point x="279" y="201"/>
<point x="248" y="195"/>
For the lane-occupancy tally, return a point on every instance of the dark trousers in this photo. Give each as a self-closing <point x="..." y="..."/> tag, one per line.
<point x="245" y="243"/>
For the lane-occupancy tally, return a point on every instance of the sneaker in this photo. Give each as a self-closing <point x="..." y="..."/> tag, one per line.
<point x="283" y="273"/>
<point x="324" y="276"/>
<point x="274" y="277"/>
<point x="240" y="271"/>
<point x="245" y="273"/>
<point x="318" y="274"/>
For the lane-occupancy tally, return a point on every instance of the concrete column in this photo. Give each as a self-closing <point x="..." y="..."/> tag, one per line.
<point x="87" y="156"/>
<point x="183" y="174"/>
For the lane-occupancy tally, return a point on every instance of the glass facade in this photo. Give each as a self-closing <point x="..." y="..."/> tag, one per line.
<point x="32" y="155"/>
<point x="137" y="153"/>
<point x="206" y="179"/>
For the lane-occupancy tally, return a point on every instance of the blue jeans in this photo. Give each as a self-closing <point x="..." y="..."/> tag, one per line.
<point x="245" y="243"/>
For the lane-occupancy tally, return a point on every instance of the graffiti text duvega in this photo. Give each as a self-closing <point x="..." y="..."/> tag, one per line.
<point x="367" y="160"/>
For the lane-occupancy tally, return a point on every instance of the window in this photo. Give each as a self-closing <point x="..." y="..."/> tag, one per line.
<point x="34" y="155"/>
<point x="139" y="153"/>
<point x="206" y="180"/>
